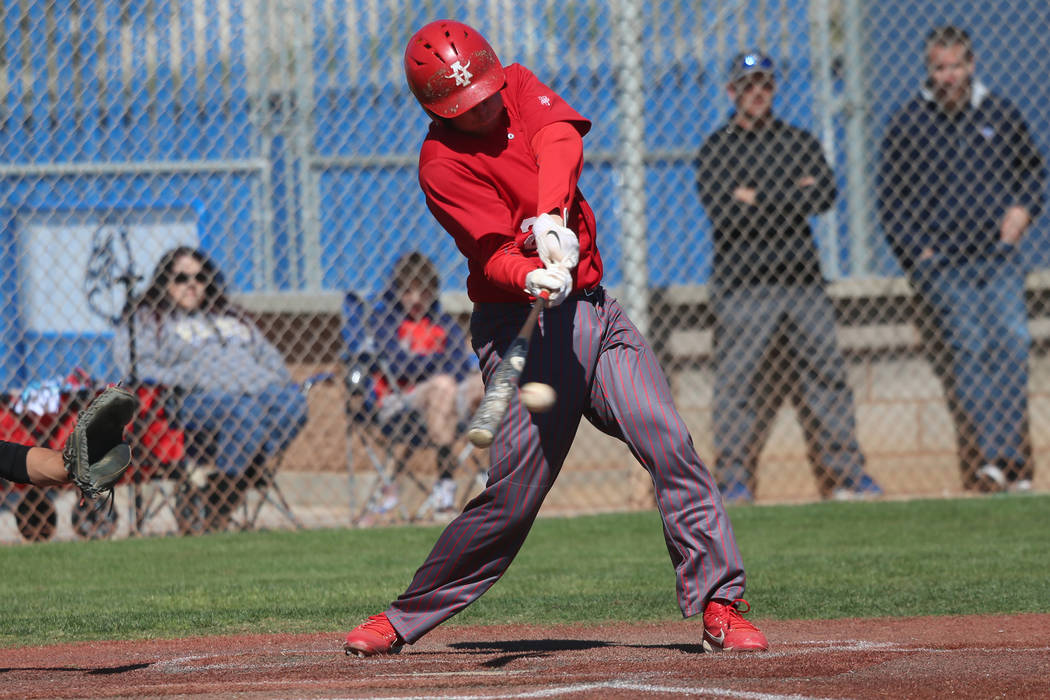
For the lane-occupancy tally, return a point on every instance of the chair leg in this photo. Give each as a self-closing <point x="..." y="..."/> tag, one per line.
<point x="481" y="474"/>
<point x="427" y="507"/>
<point x="477" y="485"/>
<point x="159" y="498"/>
<point x="221" y="496"/>
<point x="267" y="487"/>
<point x="141" y="506"/>
<point x="262" y="479"/>
<point x="136" y="511"/>
<point x="380" y="489"/>
<point x="151" y="494"/>
<point x="431" y="505"/>
<point x="381" y="480"/>
<point x="390" y="469"/>
<point x="189" y="508"/>
<point x="144" y="501"/>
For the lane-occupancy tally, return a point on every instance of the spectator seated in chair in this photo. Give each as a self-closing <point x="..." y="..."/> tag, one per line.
<point x="430" y="380"/>
<point x="230" y="389"/>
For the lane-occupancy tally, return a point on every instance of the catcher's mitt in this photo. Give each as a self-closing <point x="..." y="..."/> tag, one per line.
<point x="95" y="454"/>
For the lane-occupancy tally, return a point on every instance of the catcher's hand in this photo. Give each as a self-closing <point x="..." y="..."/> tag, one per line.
<point x="95" y="454"/>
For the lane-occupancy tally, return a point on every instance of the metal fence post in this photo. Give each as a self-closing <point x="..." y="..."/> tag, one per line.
<point x="304" y="133"/>
<point x="856" y="141"/>
<point x="820" y="30"/>
<point x="631" y="161"/>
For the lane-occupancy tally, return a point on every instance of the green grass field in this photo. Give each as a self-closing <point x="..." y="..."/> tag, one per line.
<point x="827" y="560"/>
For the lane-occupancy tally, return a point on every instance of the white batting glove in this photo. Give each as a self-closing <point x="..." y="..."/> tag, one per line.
<point x="556" y="244"/>
<point x="554" y="279"/>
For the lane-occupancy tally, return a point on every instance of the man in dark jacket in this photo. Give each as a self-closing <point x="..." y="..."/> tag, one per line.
<point x="960" y="180"/>
<point x="760" y="179"/>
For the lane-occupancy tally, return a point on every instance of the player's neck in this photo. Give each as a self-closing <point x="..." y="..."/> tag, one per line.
<point x="954" y="107"/>
<point x="749" y="123"/>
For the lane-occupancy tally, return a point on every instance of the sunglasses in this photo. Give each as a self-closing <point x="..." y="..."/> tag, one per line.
<point x="755" y="81"/>
<point x="184" y="278"/>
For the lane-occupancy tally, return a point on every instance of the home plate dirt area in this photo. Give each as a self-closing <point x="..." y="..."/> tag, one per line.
<point x="930" y="657"/>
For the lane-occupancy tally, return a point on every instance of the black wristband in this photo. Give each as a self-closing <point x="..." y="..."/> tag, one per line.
<point x="13" y="462"/>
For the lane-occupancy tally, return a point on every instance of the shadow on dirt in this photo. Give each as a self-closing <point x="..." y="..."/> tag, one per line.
<point x="76" y="669"/>
<point x="513" y="650"/>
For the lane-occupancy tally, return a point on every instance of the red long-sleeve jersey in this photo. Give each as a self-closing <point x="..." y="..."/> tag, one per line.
<point x="485" y="189"/>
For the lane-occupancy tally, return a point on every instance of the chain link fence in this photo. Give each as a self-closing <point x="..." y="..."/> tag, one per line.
<point x="869" y="329"/>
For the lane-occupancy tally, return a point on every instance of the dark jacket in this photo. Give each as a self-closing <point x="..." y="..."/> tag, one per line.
<point x="770" y="242"/>
<point x="945" y="180"/>
<point x="447" y="351"/>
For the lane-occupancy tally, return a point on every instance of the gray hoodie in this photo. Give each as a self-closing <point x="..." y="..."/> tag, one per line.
<point x="202" y="351"/>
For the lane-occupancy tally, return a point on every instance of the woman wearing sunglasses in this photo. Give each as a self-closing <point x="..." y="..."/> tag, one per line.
<point x="231" y="389"/>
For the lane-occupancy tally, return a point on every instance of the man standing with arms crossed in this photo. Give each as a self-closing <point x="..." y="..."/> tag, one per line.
<point x="760" y="179"/>
<point x="499" y="169"/>
<point x="960" y="181"/>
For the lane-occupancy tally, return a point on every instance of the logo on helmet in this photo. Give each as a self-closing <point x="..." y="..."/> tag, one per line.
<point x="461" y="74"/>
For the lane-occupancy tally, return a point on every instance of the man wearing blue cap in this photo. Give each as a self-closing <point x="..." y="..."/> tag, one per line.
<point x="760" y="179"/>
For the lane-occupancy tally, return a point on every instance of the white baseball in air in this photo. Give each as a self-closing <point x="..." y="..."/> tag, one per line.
<point x="538" y="397"/>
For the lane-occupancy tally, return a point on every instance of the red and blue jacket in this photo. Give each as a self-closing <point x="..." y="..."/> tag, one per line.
<point x="412" y="351"/>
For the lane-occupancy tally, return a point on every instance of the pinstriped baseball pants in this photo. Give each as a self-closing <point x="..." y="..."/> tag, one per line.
<point x="602" y="368"/>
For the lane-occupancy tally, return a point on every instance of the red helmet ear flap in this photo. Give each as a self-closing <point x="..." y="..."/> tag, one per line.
<point x="450" y="68"/>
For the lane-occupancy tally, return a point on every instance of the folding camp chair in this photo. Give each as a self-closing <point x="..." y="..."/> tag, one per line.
<point x="265" y="478"/>
<point x="158" y="476"/>
<point x="389" y="446"/>
<point x="171" y="475"/>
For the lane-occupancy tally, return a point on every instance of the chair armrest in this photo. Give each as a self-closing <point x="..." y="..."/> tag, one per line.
<point x="155" y="439"/>
<point x="314" y="379"/>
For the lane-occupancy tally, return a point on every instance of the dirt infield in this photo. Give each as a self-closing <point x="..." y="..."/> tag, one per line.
<point x="933" y="657"/>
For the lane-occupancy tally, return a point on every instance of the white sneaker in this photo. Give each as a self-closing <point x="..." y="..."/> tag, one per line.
<point x="444" y="495"/>
<point x="1021" y="486"/>
<point x="991" y="478"/>
<point x="390" y="499"/>
<point x="197" y="473"/>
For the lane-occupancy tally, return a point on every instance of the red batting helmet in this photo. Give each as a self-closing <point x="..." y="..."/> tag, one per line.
<point x="451" y="68"/>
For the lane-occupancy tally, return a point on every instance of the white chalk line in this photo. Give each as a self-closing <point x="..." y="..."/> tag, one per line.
<point x="451" y="674"/>
<point x="185" y="664"/>
<point x="856" y="645"/>
<point x="561" y="690"/>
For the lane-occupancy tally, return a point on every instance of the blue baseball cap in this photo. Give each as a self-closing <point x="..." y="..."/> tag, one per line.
<point x="749" y="63"/>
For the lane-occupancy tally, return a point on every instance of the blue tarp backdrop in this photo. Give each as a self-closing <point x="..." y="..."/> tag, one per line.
<point x="303" y="176"/>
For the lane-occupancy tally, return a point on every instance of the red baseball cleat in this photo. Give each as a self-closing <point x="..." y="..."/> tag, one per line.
<point x="373" y="638"/>
<point x="725" y="629"/>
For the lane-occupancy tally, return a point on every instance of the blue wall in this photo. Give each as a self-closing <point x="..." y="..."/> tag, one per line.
<point x="370" y="215"/>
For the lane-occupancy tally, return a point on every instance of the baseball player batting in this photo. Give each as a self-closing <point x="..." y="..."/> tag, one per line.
<point x="499" y="169"/>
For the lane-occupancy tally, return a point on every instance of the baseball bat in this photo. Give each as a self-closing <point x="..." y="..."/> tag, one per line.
<point x="504" y="384"/>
